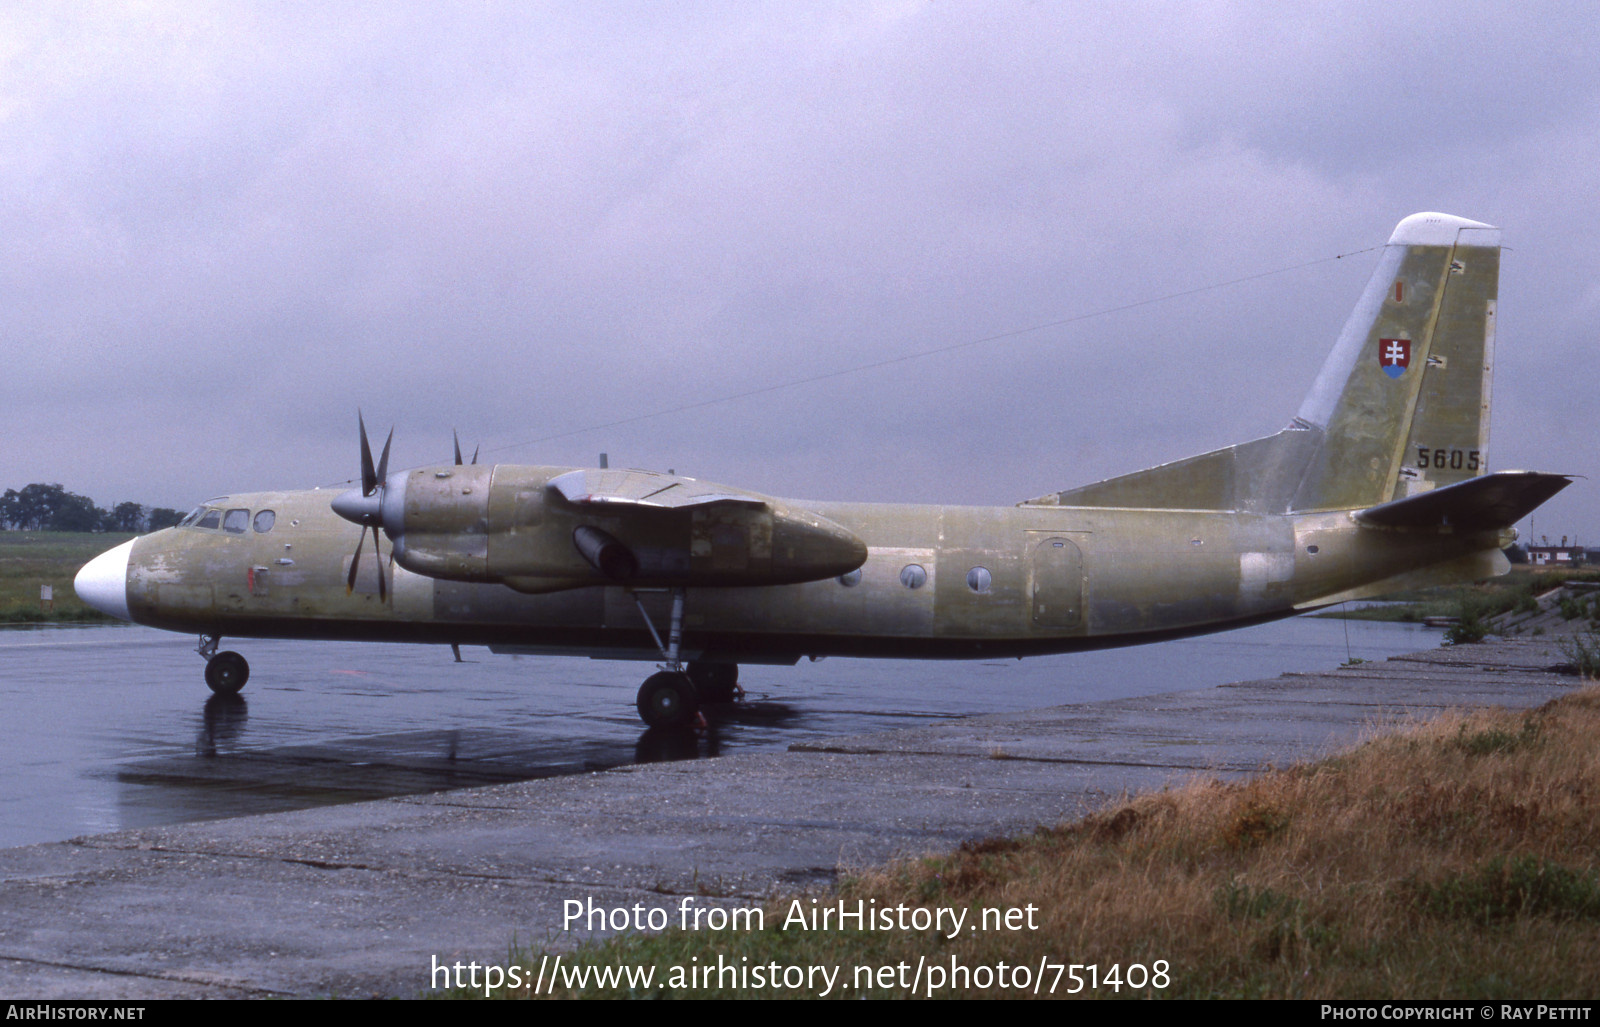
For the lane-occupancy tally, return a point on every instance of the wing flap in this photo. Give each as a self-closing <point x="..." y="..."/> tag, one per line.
<point x="592" y="486"/>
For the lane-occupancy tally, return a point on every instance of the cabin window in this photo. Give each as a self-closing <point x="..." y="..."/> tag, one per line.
<point x="212" y="519"/>
<point x="264" y="521"/>
<point x="852" y="579"/>
<point x="979" y="580"/>
<point x="236" y="521"/>
<point x="913" y="575"/>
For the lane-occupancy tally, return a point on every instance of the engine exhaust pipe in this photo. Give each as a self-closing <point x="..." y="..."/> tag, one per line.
<point x="608" y="556"/>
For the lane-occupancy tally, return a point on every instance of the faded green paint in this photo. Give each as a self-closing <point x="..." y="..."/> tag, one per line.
<point x="1259" y="530"/>
<point x="1127" y="573"/>
<point x="1357" y="464"/>
<point x="1055" y="581"/>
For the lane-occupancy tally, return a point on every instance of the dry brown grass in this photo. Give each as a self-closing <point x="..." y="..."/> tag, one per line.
<point x="1455" y="859"/>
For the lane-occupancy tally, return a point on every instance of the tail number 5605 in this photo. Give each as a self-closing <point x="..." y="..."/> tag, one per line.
<point x="1452" y="459"/>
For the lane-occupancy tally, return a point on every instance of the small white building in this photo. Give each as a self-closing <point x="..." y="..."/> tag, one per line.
<point x="1556" y="556"/>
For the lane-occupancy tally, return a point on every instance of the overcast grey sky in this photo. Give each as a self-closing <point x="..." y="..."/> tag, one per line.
<point x="224" y="227"/>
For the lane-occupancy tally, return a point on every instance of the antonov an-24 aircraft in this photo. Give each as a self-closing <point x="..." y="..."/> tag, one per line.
<point x="1380" y="482"/>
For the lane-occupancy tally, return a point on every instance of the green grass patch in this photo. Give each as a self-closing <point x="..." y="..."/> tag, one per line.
<point x="1504" y="889"/>
<point x="29" y="559"/>
<point x="1583" y="650"/>
<point x="1498" y="739"/>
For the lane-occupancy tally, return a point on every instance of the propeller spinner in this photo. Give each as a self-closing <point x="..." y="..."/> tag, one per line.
<point x="365" y="506"/>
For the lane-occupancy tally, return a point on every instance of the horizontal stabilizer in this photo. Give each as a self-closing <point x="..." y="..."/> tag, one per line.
<point x="1477" y="504"/>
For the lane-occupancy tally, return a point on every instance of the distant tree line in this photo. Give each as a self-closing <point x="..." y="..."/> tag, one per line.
<point x="52" y="508"/>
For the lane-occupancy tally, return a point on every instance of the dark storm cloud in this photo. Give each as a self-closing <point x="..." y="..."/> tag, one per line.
<point x="227" y="226"/>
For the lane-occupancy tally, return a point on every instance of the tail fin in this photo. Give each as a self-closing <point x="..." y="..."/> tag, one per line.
<point x="1400" y="407"/>
<point x="1403" y="401"/>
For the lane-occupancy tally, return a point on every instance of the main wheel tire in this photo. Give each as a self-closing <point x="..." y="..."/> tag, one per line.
<point x="667" y="699"/>
<point x="715" y="682"/>
<point x="226" y="673"/>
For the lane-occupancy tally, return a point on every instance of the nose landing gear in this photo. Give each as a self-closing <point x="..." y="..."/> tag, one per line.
<point x="226" y="672"/>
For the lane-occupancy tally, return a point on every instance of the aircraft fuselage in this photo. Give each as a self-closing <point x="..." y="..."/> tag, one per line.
<point x="938" y="582"/>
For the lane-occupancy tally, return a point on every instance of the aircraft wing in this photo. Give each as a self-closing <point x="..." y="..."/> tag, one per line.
<point x="1477" y="504"/>
<point x="592" y="486"/>
<point x="654" y="529"/>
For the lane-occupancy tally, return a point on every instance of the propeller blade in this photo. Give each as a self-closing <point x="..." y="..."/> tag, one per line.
<point x="368" y="515"/>
<point x="383" y="461"/>
<point x="369" y="477"/>
<point x="355" y="562"/>
<point x="367" y="512"/>
<point x="475" y="454"/>
<point x="457" y="439"/>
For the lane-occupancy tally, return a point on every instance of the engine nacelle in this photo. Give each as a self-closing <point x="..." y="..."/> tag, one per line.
<point x="522" y="527"/>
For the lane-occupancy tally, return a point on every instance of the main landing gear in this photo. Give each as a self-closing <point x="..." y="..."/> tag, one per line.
<point x="667" y="699"/>
<point x="226" y="672"/>
<point x="671" y="697"/>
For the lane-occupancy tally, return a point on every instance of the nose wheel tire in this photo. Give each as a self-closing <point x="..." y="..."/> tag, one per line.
<point x="226" y="673"/>
<point x="667" y="699"/>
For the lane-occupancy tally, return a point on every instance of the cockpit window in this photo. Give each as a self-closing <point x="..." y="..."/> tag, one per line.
<point x="264" y="521"/>
<point x="192" y="516"/>
<point x="212" y="519"/>
<point x="236" y="521"/>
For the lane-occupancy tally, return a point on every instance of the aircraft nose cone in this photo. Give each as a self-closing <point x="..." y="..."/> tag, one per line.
<point x="103" y="582"/>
